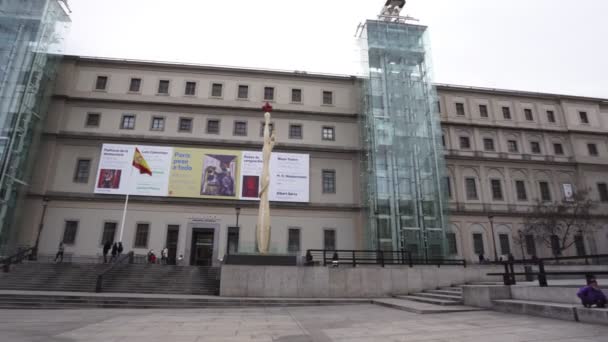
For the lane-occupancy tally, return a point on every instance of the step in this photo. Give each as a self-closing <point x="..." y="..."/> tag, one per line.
<point x="565" y="312"/>
<point x="438" y="296"/>
<point x="421" y="308"/>
<point x="446" y="292"/>
<point x="426" y="300"/>
<point x="451" y="289"/>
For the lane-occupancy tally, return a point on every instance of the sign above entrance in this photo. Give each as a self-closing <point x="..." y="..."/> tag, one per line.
<point x="202" y="173"/>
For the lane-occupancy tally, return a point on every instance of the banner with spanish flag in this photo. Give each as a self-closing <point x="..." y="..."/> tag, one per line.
<point x="139" y="162"/>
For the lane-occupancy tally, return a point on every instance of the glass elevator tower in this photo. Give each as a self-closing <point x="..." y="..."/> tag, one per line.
<point x="403" y="169"/>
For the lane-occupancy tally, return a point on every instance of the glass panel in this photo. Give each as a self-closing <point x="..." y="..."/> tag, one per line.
<point x="329" y="239"/>
<point x="478" y="243"/>
<point x="505" y="247"/>
<point x="530" y="245"/>
<point x="293" y="243"/>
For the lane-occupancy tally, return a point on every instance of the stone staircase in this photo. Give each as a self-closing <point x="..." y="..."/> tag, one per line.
<point x="131" y="278"/>
<point x="442" y="300"/>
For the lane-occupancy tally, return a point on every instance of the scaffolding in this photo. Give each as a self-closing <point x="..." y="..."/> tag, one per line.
<point x="403" y="168"/>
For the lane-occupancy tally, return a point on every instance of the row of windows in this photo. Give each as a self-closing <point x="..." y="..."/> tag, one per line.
<point x="512" y="146"/>
<point x="471" y="193"/>
<point x="528" y="114"/>
<point x="157" y="123"/>
<point x="142" y="233"/>
<point x="83" y="170"/>
<point x="217" y="90"/>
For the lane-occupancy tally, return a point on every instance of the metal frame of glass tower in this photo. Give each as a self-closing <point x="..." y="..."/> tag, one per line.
<point x="403" y="168"/>
<point x="31" y="35"/>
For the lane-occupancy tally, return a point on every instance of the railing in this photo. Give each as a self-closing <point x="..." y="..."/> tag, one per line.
<point x="373" y="257"/>
<point x="88" y="259"/>
<point x="509" y="274"/>
<point x="123" y="260"/>
<point x="16" y="258"/>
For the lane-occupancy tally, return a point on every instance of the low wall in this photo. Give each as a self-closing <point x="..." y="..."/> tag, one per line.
<point x="345" y="282"/>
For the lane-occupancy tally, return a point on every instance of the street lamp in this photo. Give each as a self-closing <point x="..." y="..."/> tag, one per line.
<point x="238" y="212"/>
<point x="491" y="218"/>
<point x="45" y="202"/>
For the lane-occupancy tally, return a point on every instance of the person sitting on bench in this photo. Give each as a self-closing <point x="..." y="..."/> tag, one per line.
<point x="592" y="295"/>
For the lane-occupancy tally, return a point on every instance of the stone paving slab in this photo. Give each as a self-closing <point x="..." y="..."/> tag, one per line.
<point x="421" y="308"/>
<point x="359" y="323"/>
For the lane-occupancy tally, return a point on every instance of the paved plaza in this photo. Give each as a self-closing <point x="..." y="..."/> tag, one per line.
<point x="352" y="323"/>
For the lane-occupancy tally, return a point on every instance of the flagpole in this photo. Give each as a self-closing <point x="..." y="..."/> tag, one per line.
<point x="124" y="211"/>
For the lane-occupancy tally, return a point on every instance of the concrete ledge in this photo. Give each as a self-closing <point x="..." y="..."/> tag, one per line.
<point x="481" y="296"/>
<point x="597" y="316"/>
<point x="551" y="294"/>
<point x="564" y="312"/>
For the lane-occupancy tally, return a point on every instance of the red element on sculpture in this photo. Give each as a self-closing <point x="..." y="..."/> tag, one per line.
<point x="267" y="108"/>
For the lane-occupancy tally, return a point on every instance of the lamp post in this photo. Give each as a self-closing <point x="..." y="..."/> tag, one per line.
<point x="45" y="203"/>
<point x="491" y="218"/>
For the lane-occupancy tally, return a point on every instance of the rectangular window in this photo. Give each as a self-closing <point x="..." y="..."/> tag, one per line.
<point x="505" y="246"/>
<point x="243" y="92"/>
<point x="602" y="189"/>
<point x="93" y="119"/>
<point x="535" y="146"/>
<point x="448" y="185"/>
<point x="512" y="146"/>
<point x="213" y="126"/>
<point x="465" y="143"/>
<point x="233" y="240"/>
<point x="270" y="128"/>
<point x="478" y="243"/>
<point x="520" y="187"/>
<point x="69" y="232"/>
<point x="550" y="116"/>
<point x="506" y="113"/>
<point x="329" y="239"/>
<point x="101" y="83"/>
<point x="328" y="133"/>
<point x="528" y="114"/>
<point x="190" y="88"/>
<point x="545" y="193"/>
<point x="496" y="189"/>
<point x="128" y="122"/>
<point x="158" y="123"/>
<point x="558" y="149"/>
<point x="583" y="117"/>
<point x="296" y="95"/>
<point x="240" y="128"/>
<point x="460" y="109"/>
<point x="269" y="93"/>
<point x="329" y="181"/>
<point x="163" y="87"/>
<point x="488" y="144"/>
<point x="109" y="231"/>
<point x="471" y="188"/>
<point x="135" y="85"/>
<point x="483" y="111"/>
<point x="452" y="246"/>
<point x="295" y="131"/>
<point x="579" y="243"/>
<point x="293" y="240"/>
<point x="141" y="235"/>
<point x="185" y="125"/>
<point x="216" y="90"/>
<point x="555" y="245"/>
<point x="530" y="245"/>
<point x="592" y="148"/>
<point x="81" y="175"/>
<point x="328" y="98"/>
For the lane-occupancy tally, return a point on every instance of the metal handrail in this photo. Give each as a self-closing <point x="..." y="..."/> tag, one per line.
<point x="16" y="258"/>
<point x="118" y="263"/>
<point x="374" y="257"/>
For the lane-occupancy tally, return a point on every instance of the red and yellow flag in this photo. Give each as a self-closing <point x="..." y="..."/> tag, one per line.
<point x="140" y="163"/>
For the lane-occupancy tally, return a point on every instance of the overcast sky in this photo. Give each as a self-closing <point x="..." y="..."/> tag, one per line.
<point x="556" y="46"/>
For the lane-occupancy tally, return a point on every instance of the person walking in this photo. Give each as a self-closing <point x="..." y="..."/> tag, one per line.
<point x="59" y="254"/>
<point x="119" y="249"/>
<point x="106" y="249"/>
<point x="114" y="252"/>
<point x="164" y="256"/>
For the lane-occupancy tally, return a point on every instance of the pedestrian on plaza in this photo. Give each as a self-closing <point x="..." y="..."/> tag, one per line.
<point x="481" y="259"/>
<point x="119" y="249"/>
<point x="180" y="260"/>
<point x="114" y="252"/>
<point x="59" y="254"/>
<point x="511" y="257"/>
<point x="106" y="249"/>
<point x="592" y="295"/>
<point x="335" y="260"/>
<point x="151" y="257"/>
<point x="164" y="256"/>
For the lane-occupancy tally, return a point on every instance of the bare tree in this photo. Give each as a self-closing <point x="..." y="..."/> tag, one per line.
<point x="558" y="224"/>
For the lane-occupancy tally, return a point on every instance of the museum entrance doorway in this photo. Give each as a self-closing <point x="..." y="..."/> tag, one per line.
<point x="202" y="247"/>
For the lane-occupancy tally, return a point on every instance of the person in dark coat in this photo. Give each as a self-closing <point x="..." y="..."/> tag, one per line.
<point x="106" y="249"/>
<point x="114" y="251"/>
<point x="481" y="259"/>
<point x="592" y="295"/>
<point x="120" y="249"/>
<point x="59" y="254"/>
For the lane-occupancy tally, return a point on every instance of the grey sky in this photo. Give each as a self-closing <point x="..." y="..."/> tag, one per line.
<point x="554" y="46"/>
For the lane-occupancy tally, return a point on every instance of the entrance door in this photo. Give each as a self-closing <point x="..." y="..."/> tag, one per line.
<point x="172" y="236"/>
<point x="202" y="247"/>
